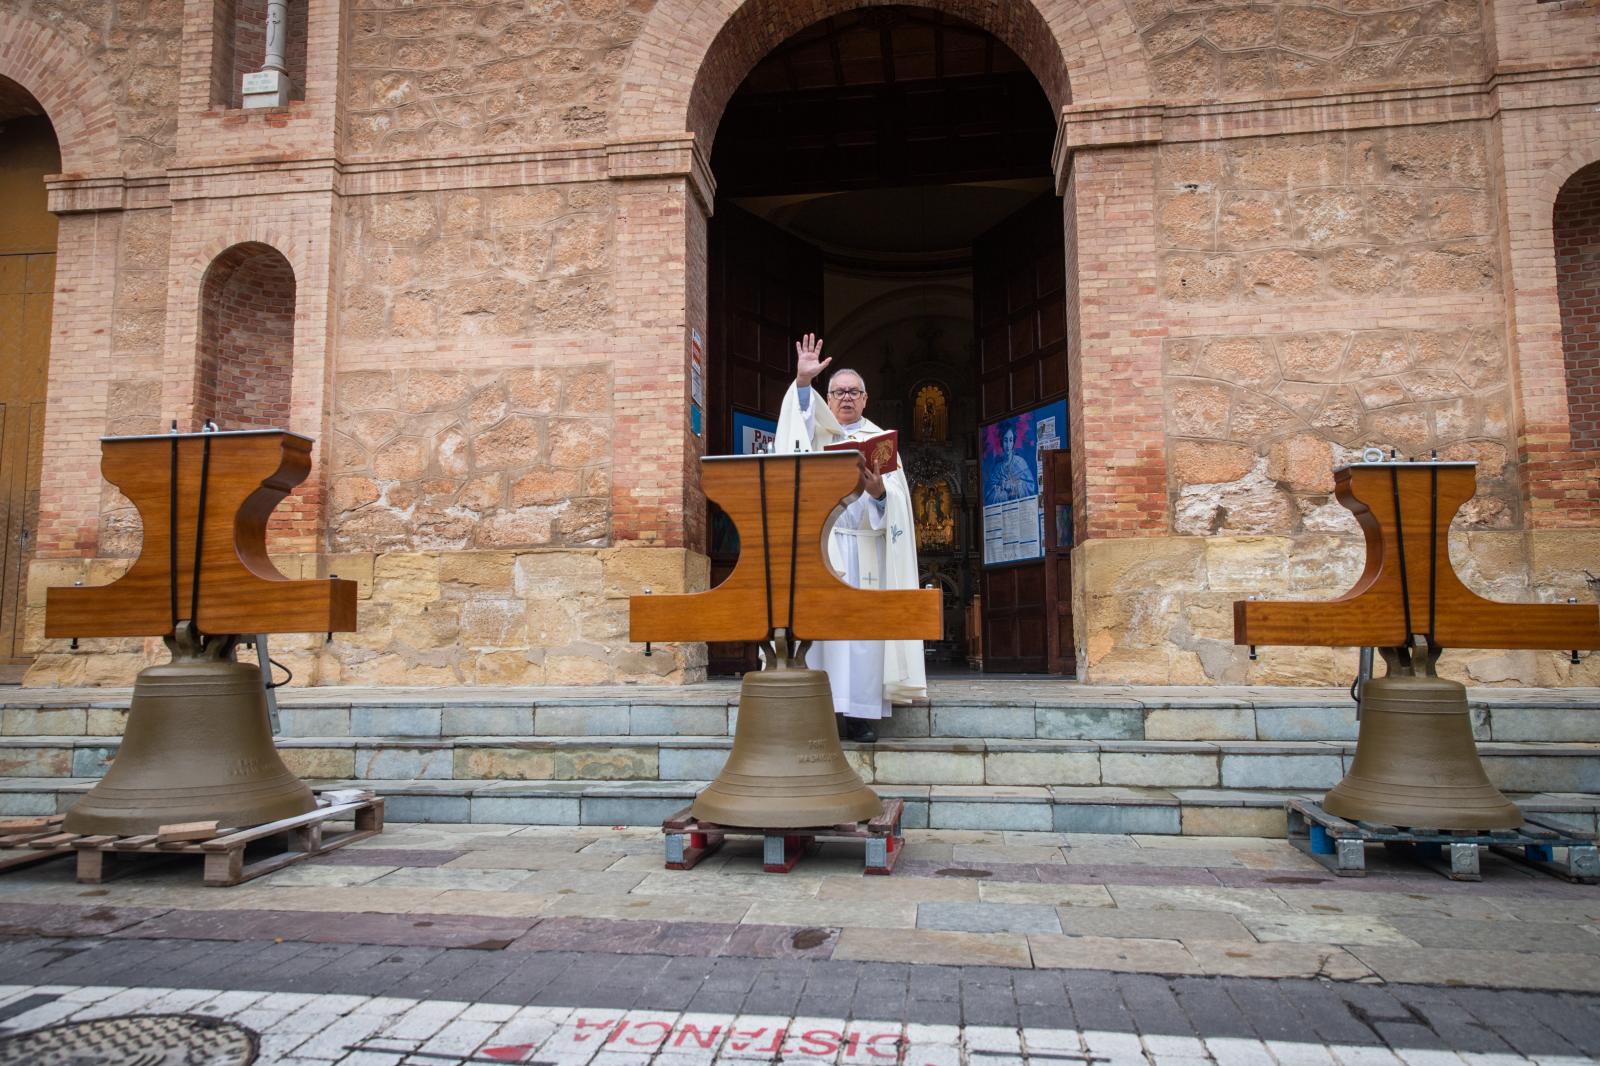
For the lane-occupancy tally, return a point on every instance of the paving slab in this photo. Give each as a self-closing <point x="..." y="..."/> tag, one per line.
<point x="1326" y="929"/>
<point x="1487" y="969"/>
<point x="932" y="946"/>
<point x="1182" y="926"/>
<point x="1117" y="954"/>
<point x="988" y="917"/>
<point x="1197" y="898"/>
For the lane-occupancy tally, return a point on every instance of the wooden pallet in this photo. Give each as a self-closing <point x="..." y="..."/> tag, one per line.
<point x="225" y="860"/>
<point x="1341" y="845"/>
<point x="25" y="841"/>
<point x="689" y="840"/>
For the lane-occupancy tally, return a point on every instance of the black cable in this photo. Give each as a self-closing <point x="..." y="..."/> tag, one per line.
<point x="1400" y="535"/>
<point x="1433" y="549"/>
<point x="766" y="544"/>
<point x="172" y="531"/>
<point x="794" y="546"/>
<point x="278" y="684"/>
<point x="199" y="535"/>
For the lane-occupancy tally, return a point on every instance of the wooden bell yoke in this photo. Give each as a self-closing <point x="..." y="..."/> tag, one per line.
<point x="204" y="500"/>
<point x="782" y="503"/>
<point x="1409" y="589"/>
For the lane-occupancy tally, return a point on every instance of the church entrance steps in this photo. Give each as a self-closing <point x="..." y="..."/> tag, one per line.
<point x="1520" y="767"/>
<point x="1061" y="808"/>
<point x="978" y="710"/>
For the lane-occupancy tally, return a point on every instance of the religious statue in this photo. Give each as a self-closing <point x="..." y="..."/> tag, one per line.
<point x="935" y="516"/>
<point x="931" y="414"/>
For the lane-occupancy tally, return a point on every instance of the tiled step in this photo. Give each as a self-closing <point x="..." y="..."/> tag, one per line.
<point x="1062" y="809"/>
<point x="1246" y="764"/>
<point x="975" y="710"/>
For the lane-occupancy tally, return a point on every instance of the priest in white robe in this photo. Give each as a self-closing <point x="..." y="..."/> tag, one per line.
<point x="872" y="544"/>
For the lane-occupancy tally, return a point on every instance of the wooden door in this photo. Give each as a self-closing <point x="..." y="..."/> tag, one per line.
<point x="1019" y="294"/>
<point x="26" y="286"/>
<point x="1056" y="484"/>
<point x="764" y="290"/>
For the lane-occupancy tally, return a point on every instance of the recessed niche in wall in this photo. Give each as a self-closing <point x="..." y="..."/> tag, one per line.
<point x="243" y="376"/>
<point x="239" y="30"/>
<point x="1576" y="225"/>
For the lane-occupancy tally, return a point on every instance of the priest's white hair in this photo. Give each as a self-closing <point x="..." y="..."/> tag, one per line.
<point x="847" y="370"/>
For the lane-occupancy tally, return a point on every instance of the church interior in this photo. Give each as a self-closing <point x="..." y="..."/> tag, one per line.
<point x="877" y="175"/>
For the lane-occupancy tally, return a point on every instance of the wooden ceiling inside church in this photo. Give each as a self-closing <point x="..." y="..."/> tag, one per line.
<point x="883" y="96"/>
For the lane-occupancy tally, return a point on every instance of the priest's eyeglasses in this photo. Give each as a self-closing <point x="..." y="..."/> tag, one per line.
<point x="847" y="394"/>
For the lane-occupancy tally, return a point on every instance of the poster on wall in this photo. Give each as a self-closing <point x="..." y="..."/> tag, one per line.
<point x="752" y="434"/>
<point x="1009" y="469"/>
<point x="697" y="382"/>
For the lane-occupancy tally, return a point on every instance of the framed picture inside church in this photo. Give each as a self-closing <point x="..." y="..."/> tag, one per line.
<point x="1009" y="476"/>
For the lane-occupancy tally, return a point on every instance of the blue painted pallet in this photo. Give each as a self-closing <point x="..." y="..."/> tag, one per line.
<point x="1341" y="845"/>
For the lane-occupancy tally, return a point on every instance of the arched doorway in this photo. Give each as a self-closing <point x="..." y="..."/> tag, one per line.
<point x="28" y="151"/>
<point x="884" y="178"/>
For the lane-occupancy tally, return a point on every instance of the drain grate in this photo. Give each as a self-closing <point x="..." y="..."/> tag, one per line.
<point x="133" y="1040"/>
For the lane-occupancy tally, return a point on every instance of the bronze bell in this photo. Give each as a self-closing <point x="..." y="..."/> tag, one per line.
<point x="786" y="769"/>
<point x="1416" y="763"/>
<point x="198" y="746"/>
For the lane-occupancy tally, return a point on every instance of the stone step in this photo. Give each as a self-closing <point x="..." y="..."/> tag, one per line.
<point x="994" y="710"/>
<point x="1061" y="808"/>
<point x="1248" y="764"/>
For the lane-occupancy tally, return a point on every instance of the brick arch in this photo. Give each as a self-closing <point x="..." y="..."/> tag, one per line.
<point x="692" y="54"/>
<point x="71" y="86"/>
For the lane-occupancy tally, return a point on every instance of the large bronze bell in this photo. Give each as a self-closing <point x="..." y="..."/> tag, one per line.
<point x="1416" y="763"/>
<point x="786" y="769"/>
<point x="198" y="746"/>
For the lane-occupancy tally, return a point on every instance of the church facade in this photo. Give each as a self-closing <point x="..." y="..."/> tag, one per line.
<point x="488" y="254"/>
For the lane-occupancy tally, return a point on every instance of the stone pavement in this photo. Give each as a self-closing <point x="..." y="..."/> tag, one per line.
<point x="455" y="943"/>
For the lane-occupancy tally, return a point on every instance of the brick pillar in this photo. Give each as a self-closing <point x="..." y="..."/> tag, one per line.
<point x="80" y="377"/>
<point x="1116" y="329"/>
<point x="653" y="448"/>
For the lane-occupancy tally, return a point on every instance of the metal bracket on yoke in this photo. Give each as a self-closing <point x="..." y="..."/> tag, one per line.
<point x="781" y="652"/>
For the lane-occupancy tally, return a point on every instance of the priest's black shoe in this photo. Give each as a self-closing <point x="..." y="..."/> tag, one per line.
<point x="861" y="729"/>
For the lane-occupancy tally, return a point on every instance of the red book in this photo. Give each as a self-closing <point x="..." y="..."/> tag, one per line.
<point x="882" y="452"/>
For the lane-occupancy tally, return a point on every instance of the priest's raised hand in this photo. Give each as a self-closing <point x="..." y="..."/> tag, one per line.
<point x="810" y="363"/>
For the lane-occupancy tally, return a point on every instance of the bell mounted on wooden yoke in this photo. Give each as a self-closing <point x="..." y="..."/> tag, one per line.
<point x="198" y="744"/>
<point x="787" y="769"/>
<point x="1416" y="764"/>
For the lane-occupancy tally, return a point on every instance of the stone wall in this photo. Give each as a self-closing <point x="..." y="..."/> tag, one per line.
<point x="457" y="459"/>
<point x="548" y="616"/>
<point x="135" y="50"/>
<point x="1246" y="50"/>
<point x="1316" y="268"/>
<point x="499" y="262"/>
<point x="455" y="77"/>
<point x="1159" y="610"/>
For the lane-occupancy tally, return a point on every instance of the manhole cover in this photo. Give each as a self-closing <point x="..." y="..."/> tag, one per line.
<point x="133" y="1040"/>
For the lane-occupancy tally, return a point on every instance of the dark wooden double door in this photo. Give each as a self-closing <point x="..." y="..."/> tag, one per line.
<point x="1020" y="313"/>
<point x="765" y="290"/>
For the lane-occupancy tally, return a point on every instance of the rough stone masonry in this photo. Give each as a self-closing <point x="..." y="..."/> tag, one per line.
<point x="467" y="258"/>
